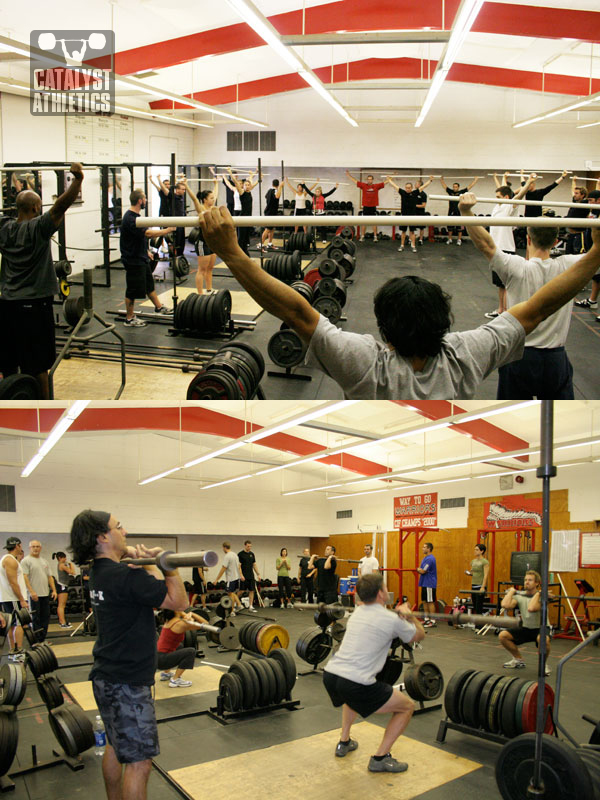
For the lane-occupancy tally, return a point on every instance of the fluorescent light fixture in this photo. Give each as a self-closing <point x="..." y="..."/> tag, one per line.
<point x="290" y="464"/>
<point x="161" y="117"/>
<point x="305" y="416"/>
<point x="560" y="110"/>
<point x="230" y="480"/>
<point x="63" y="425"/>
<point x="160" y="475"/>
<point x="397" y="489"/>
<point x="214" y="453"/>
<point x="263" y="28"/>
<point x="589" y="125"/>
<point x="392" y="437"/>
<point x="465" y="17"/>
<point x="493" y="411"/>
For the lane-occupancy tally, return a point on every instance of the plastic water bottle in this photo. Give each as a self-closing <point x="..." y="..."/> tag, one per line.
<point x="99" y="736"/>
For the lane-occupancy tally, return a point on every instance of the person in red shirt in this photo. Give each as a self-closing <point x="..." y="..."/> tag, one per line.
<point x="369" y="200"/>
<point x="171" y="653"/>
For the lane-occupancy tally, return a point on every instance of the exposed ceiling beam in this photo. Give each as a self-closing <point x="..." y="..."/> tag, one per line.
<point x="367" y="37"/>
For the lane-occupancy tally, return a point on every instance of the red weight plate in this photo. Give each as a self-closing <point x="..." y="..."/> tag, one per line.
<point x="529" y="712"/>
<point x="312" y="277"/>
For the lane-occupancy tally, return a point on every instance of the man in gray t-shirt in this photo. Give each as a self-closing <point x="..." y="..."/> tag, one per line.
<point x="528" y="603"/>
<point x="40" y="583"/>
<point x="419" y="357"/>
<point x="28" y="284"/>
<point x="233" y="575"/>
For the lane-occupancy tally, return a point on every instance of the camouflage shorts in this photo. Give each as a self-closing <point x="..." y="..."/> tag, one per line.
<point x="128" y="716"/>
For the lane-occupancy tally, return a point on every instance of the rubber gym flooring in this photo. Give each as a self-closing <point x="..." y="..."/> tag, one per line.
<point x="291" y="753"/>
<point x="461" y="271"/>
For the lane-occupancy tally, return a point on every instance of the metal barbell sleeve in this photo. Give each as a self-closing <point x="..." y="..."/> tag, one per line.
<point x="494" y="200"/>
<point x="169" y="560"/>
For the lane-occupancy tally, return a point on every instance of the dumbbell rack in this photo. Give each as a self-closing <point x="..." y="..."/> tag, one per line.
<point x="219" y="713"/>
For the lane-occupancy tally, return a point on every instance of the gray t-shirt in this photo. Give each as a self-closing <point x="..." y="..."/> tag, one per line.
<point x="523" y="278"/>
<point x="38" y="572"/>
<point x="231" y="564"/>
<point x="365" y="645"/>
<point x="27" y="267"/>
<point x="531" y="619"/>
<point x="368" y="370"/>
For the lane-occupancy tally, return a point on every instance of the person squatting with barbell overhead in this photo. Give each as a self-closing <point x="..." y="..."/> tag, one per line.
<point x="124" y="597"/>
<point x="419" y="357"/>
<point x="350" y="675"/>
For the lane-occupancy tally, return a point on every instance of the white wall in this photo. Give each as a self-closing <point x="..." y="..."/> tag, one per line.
<point x="469" y="127"/>
<point x="581" y="481"/>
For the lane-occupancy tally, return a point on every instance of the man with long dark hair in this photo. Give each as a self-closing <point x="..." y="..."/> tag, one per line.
<point x="123" y="599"/>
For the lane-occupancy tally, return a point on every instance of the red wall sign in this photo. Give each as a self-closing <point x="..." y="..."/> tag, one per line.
<point x="512" y="512"/>
<point x="416" y="511"/>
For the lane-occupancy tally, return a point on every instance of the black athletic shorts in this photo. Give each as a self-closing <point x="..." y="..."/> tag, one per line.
<point x="428" y="594"/>
<point x="365" y="700"/>
<point x="233" y="586"/>
<point x="139" y="281"/>
<point x="412" y="228"/>
<point x="248" y="584"/>
<point x="129" y="719"/>
<point x="496" y="280"/>
<point x="369" y="211"/>
<point x="523" y="635"/>
<point x="27" y="336"/>
<point x="203" y="248"/>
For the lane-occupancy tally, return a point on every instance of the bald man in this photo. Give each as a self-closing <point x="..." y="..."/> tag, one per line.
<point x="28" y="284"/>
<point x="40" y="585"/>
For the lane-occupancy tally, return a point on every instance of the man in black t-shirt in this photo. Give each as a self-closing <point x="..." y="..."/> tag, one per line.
<point x="136" y="261"/>
<point x="576" y="236"/>
<point x="326" y="578"/>
<point x="249" y="569"/>
<point x="306" y="576"/>
<point x="124" y="598"/>
<point x="271" y="209"/>
<point x="539" y="194"/>
<point x="421" y="203"/>
<point x="453" y="211"/>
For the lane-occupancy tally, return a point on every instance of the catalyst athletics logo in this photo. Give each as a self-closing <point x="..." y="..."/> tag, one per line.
<point x="71" y="72"/>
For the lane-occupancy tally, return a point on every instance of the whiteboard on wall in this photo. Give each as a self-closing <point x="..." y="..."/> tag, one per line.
<point x="564" y="551"/>
<point x="101" y="140"/>
<point x="590" y="550"/>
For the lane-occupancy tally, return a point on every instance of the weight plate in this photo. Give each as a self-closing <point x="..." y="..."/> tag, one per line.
<point x="73" y="309"/>
<point x="328" y="307"/>
<point x="85" y="737"/>
<point x="336" y="253"/>
<point x="252" y="686"/>
<point x="563" y="772"/>
<point x="182" y="267"/>
<point x="216" y="623"/>
<point x="312" y="276"/>
<point x="213" y="385"/>
<point x="265" y="679"/>
<point x="230" y="689"/>
<point x="286" y="348"/>
<point x="329" y="268"/>
<point x="189" y="639"/>
<point x="591" y="759"/>
<point x="529" y="712"/>
<point x="63" y="728"/>
<point x="392" y="669"/>
<point x="13" y="684"/>
<point x="271" y="636"/>
<point x="286" y="661"/>
<point x="35" y="662"/>
<point x="338" y="629"/>
<point x="470" y="699"/>
<point x="24" y="617"/>
<point x="427" y="680"/>
<point x="19" y="387"/>
<point x="229" y="638"/>
<point x="9" y="739"/>
<point x="484" y="699"/>
<point x="189" y="310"/>
<point x="495" y="704"/>
<point x="50" y="661"/>
<point x="280" y="679"/>
<point x="453" y="690"/>
<point x="326" y="286"/>
<point x="321" y="619"/>
<point x="314" y="646"/>
<point x="255" y="359"/>
<point x="243" y="632"/>
<point x="50" y="691"/>
<point x="507" y="715"/>
<point x="251" y="635"/>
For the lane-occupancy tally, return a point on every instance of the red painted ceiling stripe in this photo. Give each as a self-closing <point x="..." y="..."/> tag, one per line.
<point x="398" y="68"/>
<point x="480" y="430"/>
<point x="193" y="420"/>
<point x="356" y="15"/>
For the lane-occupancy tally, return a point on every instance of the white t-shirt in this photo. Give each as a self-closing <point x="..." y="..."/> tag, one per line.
<point x="365" y="645"/>
<point x="523" y="278"/>
<point x="231" y="563"/>
<point x="6" y="592"/>
<point x="503" y="236"/>
<point x="237" y="203"/>
<point x="367" y="565"/>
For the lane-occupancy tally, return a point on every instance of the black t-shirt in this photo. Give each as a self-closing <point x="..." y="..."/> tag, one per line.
<point x="246" y="562"/>
<point x="179" y="204"/>
<point x="246" y="201"/>
<point x="421" y="197"/>
<point x="123" y="600"/>
<point x="578" y="213"/>
<point x="133" y="241"/>
<point x="453" y="207"/>
<point x="165" y="205"/>
<point x="271" y="203"/>
<point x="228" y="194"/>
<point x="537" y="194"/>
<point x="198" y="581"/>
<point x="304" y="570"/>
<point x="326" y="578"/>
<point x="409" y="202"/>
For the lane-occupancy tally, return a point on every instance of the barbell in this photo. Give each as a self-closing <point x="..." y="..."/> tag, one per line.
<point x="560" y="203"/>
<point x="227" y="636"/>
<point x="169" y="560"/>
<point x="345" y="560"/>
<point x="457" y="618"/>
<point x="338" y="221"/>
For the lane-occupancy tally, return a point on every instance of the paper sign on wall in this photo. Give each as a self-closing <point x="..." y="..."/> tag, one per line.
<point x="515" y="511"/>
<point x="416" y="511"/>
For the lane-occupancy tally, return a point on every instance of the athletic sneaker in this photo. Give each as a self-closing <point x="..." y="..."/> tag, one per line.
<point x="343" y="748"/>
<point x="420" y="241"/>
<point x="459" y="241"/>
<point x="400" y="249"/>
<point x="514" y="663"/>
<point x="166" y="676"/>
<point x="414" y="249"/>
<point x="587" y="303"/>
<point x="65" y="625"/>
<point x="135" y="322"/>
<point x="376" y="238"/>
<point x="177" y="683"/>
<point x="163" y="310"/>
<point x="448" y="241"/>
<point x="362" y="238"/>
<point x="430" y="623"/>
<point x="547" y="670"/>
<point x="387" y="764"/>
<point x="254" y="611"/>
<point x="492" y="314"/>
<point x="598" y="318"/>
